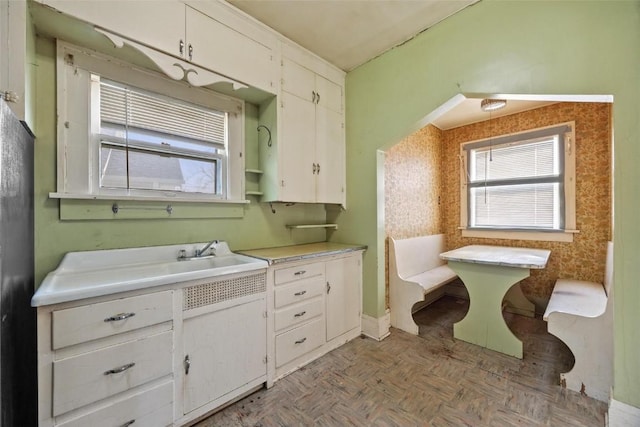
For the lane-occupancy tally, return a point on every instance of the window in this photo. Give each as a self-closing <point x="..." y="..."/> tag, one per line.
<point x="129" y="133"/>
<point x="518" y="184"/>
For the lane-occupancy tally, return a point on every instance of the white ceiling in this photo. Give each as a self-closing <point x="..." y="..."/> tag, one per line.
<point x="348" y="33"/>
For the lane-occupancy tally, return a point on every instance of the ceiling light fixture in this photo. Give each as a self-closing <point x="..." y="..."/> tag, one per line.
<point x="492" y="104"/>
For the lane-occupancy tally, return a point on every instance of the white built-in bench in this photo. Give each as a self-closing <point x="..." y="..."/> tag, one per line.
<point x="580" y="314"/>
<point x="415" y="270"/>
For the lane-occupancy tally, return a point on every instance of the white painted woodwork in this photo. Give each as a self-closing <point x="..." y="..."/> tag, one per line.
<point x="298" y="272"/>
<point x="224" y="49"/>
<point x="226" y="349"/>
<point x="311" y="137"/>
<point x="580" y="313"/>
<point x="344" y="280"/>
<point x="146" y="408"/>
<point x="298" y="341"/>
<point x="87" y="322"/>
<point x="331" y="284"/>
<point x="297" y="150"/>
<point x="163" y="25"/>
<point x="298" y="313"/>
<point x="299" y="291"/>
<point x="82" y="379"/>
<point x="415" y="270"/>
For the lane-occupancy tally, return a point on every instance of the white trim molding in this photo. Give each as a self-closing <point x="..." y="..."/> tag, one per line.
<point x="622" y="414"/>
<point x="376" y="328"/>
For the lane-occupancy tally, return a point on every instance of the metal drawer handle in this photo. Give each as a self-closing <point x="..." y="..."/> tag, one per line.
<point x="300" y="293"/>
<point x="119" y="316"/>
<point x="128" y="423"/>
<point x="301" y="341"/>
<point x="302" y="313"/>
<point x="299" y="273"/>
<point x="120" y="369"/>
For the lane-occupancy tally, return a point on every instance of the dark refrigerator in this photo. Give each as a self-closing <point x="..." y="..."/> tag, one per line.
<point x="18" y="357"/>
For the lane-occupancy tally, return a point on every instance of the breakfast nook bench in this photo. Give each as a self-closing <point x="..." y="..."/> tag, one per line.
<point x="580" y="314"/>
<point x="415" y="270"/>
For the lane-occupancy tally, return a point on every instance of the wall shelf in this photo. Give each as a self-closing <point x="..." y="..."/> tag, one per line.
<point x="300" y="226"/>
<point x="256" y="171"/>
<point x="253" y="193"/>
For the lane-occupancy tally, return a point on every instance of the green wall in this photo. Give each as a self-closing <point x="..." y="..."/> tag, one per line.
<point x="257" y="227"/>
<point x="515" y="47"/>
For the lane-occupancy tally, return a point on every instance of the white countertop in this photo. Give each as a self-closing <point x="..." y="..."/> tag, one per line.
<point x="499" y="255"/>
<point x="299" y="252"/>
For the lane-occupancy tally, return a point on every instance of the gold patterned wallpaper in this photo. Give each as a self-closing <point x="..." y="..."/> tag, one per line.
<point x="413" y="182"/>
<point x="425" y="166"/>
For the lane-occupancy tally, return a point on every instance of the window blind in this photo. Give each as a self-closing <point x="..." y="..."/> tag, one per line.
<point x="516" y="185"/>
<point x="135" y="108"/>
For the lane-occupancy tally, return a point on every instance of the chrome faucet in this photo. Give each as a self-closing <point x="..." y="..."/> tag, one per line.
<point x="200" y="252"/>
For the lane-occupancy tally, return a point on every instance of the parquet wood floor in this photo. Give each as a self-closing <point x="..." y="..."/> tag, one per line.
<point x="430" y="380"/>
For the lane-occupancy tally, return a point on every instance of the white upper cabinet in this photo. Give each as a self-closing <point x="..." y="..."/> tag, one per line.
<point x="311" y="137"/>
<point x="184" y="32"/>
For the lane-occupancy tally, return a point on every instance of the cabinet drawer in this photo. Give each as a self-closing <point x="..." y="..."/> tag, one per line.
<point x="298" y="313"/>
<point x="90" y="322"/>
<point x="299" y="291"/>
<point x="149" y="408"/>
<point x="299" y="341"/>
<point x="290" y="274"/>
<point x="92" y="376"/>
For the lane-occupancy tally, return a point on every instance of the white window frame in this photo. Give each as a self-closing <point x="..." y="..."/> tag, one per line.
<point x="563" y="235"/>
<point x="78" y="127"/>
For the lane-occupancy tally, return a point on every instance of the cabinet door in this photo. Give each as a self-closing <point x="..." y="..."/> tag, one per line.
<point x="330" y="156"/>
<point x="226" y="51"/>
<point x="329" y="94"/>
<point x="297" y="152"/>
<point x="226" y="349"/>
<point x="156" y="23"/>
<point x="343" y="295"/>
<point x="298" y="80"/>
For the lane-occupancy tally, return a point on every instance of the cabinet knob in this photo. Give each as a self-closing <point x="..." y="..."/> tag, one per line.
<point x="302" y="313"/>
<point x="299" y="273"/>
<point x="314" y="168"/>
<point x="317" y="97"/>
<point x="328" y="287"/>
<point x="313" y="96"/>
<point x="190" y="52"/>
<point x="128" y="423"/>
<point x="301" y="340"/>
<point x="318" y="169"/>
<point x="181" y="47"/>
<point x="300" y="293"/>
<point x="187" y="364"/>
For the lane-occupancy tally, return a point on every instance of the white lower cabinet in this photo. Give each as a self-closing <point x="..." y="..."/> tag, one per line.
<point x="316" y="306"/>
<point x="223" y="351"/>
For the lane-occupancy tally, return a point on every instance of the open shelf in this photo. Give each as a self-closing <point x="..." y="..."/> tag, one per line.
<point x="256" y="171"/>
<point x="253" y="193"/>
<point x="298" y="226"/>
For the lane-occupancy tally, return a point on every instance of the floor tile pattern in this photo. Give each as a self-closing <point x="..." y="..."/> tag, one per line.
<point x="430" y="380"/>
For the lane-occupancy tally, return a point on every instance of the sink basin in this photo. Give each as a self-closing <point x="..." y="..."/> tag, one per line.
<point x="95" y="273"/>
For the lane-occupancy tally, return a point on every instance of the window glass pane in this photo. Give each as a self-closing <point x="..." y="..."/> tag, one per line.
<point x="516" y="206"/>
<point x="150" y="171"/>
<point x="516" y="161"/>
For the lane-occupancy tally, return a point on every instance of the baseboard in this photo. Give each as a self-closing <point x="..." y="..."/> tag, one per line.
<point x="376" y="328"/>
<point x="622" y="415"/>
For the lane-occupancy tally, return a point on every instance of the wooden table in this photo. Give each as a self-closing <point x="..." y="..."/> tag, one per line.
<point x="489" y="272"/>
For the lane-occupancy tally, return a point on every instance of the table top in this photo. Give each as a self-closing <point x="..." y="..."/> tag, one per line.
<point x="499" y="255"/>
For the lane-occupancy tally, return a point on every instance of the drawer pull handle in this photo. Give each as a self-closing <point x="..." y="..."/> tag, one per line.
<point x="128" y="423"/>
<point x="120" y="316"/>
<point x="120" y="369"/>
<point x="302" y="313"/>
<point x="299" y="273"/>
<point x="301" y="340"/>
<point x="300" y="293"/>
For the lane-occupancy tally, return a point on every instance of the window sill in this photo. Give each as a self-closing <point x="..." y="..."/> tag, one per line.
<point x="544" y="236"/>
<point x="93" y="207"/>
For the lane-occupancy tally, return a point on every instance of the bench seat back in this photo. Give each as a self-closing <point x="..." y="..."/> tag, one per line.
<point x="417" y="254"/>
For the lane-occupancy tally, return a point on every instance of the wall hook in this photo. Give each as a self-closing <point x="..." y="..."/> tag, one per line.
<point x="268" y="131"/>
